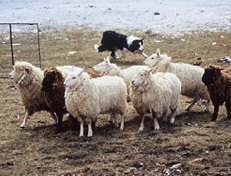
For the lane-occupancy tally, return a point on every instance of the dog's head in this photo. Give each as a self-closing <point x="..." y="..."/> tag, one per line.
<point x="135" y="44"/>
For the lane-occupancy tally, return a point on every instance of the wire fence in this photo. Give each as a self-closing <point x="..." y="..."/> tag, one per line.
<point x="18" y="42"/>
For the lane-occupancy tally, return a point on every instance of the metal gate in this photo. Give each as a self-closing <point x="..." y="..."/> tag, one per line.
<point x="18" y="42"/>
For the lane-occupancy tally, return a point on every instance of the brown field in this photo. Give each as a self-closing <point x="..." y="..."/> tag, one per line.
<point x="192" y="146"/>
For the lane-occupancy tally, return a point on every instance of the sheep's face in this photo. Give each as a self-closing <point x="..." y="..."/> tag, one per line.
<point x="152" y="60"/>
<point x="103" y="67"/>
<point x="19" y="73"/>
<point x="49" y="77"/>
<point x="72" y="79"/>
<point x="140" y="78"/>
<point x="156" y="58"/>
<point x="211" y="75"/>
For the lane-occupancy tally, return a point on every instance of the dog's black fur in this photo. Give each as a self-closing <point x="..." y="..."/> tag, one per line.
<point x="113" y="41"/>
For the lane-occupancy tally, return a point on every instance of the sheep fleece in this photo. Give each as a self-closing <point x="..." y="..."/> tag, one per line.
<point x="90" y="97"/>
<point x="160" y="93"/>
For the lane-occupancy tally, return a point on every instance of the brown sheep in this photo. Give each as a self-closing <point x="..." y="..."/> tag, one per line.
<point x="218" y="82"/>
<point x="52" y="86"/>
<point x="53" y="89"/>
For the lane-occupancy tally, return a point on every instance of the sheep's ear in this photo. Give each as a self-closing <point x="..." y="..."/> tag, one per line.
<point x="147" y="72"/>
<point x="108" y="60"/>
<point x="46" y="69"/>
<point x="150" y="71"/>
<point x="158" y="52"/>
<point x="216" y="69"/>
<point x="145" y="83"/>
<point x="72" y="68"/>
<point x="80" y="73"/>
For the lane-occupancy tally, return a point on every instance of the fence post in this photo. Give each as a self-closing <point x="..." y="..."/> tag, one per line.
<point x="38" y="30"/>
<point x="11" y="44"/>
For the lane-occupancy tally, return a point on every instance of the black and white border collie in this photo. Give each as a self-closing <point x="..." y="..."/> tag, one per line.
<point x="113" y="41"/>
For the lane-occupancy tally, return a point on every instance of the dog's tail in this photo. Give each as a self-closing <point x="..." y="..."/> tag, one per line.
<point x="96" y="47"/>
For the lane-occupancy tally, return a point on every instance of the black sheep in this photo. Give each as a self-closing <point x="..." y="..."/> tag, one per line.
<point x="52" y="86"/>
<point x="218" y="82"/>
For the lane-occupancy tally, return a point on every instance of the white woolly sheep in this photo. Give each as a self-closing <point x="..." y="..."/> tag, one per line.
<point x="28" y="80"/>
<point x="86" y="98"/>
<point x="189" y="75"/>
<point x="109" y="69"/>
<point x="157" y="94"/>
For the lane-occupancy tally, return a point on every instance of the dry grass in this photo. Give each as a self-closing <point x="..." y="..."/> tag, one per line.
<point x="200" y="146"/>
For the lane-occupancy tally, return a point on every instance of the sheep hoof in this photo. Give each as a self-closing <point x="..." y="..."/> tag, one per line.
<point x="58" y="131"/>
<point x="23" y="127"/>
<point x="213" y="119"/>
<point x="153" y="132"/>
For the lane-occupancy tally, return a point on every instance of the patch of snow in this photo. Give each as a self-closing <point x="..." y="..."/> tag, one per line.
<point x="173" y="16"/>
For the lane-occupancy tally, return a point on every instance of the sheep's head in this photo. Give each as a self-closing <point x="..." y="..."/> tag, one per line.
<point x="210" y="75"/>
<point x="103" y="67"/>
<point x="73" y="79"/>
<point x="156" y="58"/>
<point x="140" y="78"/>
<point x="20" y="72"/>
<point x="51" y="77"/>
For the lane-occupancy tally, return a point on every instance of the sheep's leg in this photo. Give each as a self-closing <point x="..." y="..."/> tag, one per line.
<point x="81" y="128"/>
<point x="172" y="119"/>
<point x="90" y="133"/>
<point x="23" y="125"/>
<point x="207" y="106"/>
<point x="142" y="123"/>
<point x="54" y="119"/>
<point x="74" y="122"/>
<point x="215" y="112"/>
<point x="60" y="123"/>
<point x="156" y="124"/>
<point x="111" y="118"/>
<point x="191" y="105"/>
<point x="122" y="122"/>
<point x="228" y="109"/>
<point x="173" y="115"/>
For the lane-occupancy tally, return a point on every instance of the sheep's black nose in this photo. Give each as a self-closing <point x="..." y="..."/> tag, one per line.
<point x="10" y="76"/>
<point x="133" y="82"/>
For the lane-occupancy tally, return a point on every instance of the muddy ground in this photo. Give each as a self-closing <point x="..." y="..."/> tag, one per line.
<point x="192" y="146"/>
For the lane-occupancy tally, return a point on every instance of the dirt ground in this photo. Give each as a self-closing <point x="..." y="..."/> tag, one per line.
<point x="192" y="146"/>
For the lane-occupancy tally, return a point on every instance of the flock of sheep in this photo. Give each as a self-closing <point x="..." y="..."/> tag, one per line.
<point x="153" y="88"/>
